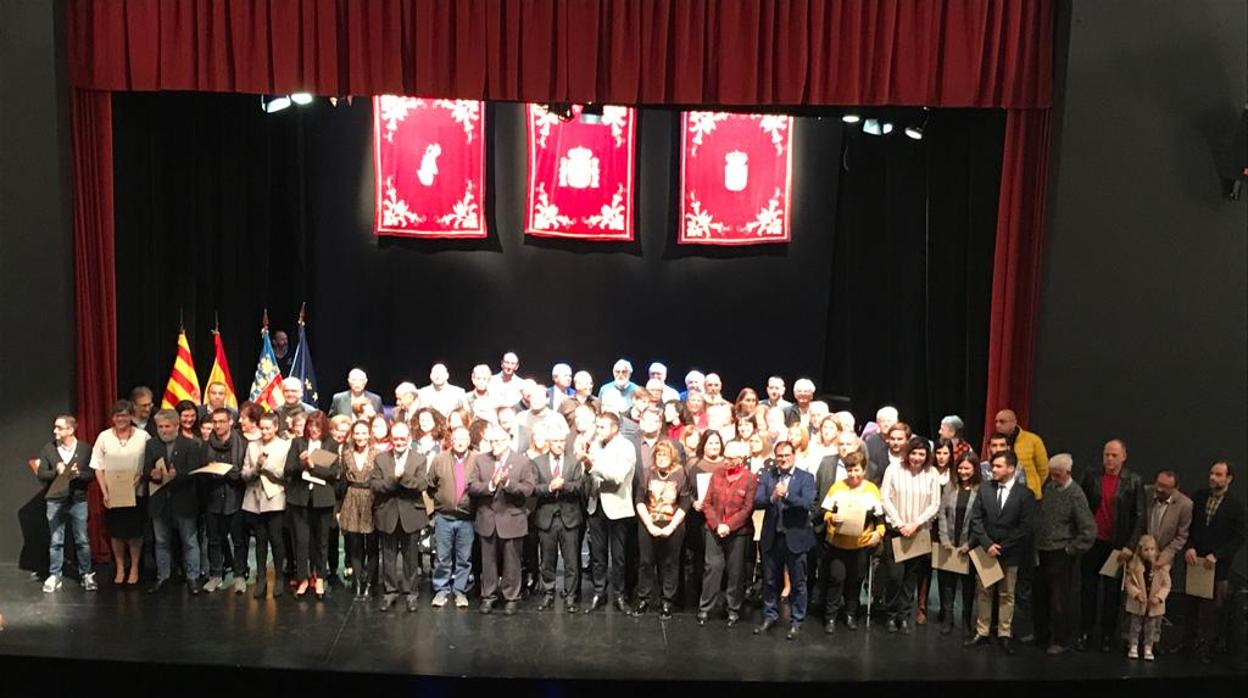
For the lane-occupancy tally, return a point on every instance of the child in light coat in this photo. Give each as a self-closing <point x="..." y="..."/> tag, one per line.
<point x="1146" y="585"/>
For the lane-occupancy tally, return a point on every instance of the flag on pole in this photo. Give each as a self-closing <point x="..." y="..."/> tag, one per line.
<point x="266" y="387"/>
<point x="183" y="383"/>
<point x="221" y="371"/>
<point x="301" y="365"/>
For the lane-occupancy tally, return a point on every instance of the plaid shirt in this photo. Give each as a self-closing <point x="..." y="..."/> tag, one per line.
<point x="728" y="502"/>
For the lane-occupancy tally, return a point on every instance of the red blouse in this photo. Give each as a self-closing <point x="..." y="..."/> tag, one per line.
<point x="730" y="499"/>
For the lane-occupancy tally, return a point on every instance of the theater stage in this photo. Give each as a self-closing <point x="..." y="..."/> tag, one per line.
<point x="185" y="638"/>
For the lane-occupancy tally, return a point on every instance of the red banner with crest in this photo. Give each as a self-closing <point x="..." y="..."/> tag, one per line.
<point x="735" y="173"/>
<point x="429" y="157"/>
<point x="580" y="166"/>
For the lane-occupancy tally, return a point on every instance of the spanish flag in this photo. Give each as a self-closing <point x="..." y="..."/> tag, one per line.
<point x="221" y="372"/>
<point x="183" y="385"/>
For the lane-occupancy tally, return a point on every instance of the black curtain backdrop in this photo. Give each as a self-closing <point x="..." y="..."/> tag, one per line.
<point x="221" y="207"/>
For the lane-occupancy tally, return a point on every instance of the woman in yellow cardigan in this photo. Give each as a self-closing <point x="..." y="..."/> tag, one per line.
<point x="850" y="554"/>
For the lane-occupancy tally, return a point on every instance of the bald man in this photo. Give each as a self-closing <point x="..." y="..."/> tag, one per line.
<point x="1033" y="459"/>
<point x="357" y="382"/>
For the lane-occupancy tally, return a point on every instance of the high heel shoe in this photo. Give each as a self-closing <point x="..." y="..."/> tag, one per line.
<point x="301" y="590"/>
<point x="320" y="589"/>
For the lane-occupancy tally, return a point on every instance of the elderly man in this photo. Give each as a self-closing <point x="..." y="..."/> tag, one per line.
<point x="1064" y="531"/>
<point x="1167" y="515"/>
<point x="877" y="440"/>
<point x="775" y="393"/>
<point x="559" y="518"/>
<point x="292" y="400"/>
<point x="803" y="394"/>
<point x="1033" y="459"/>
<point x="406" y="402"/>
<point x="174" y="507"/>
<point x="453" y="519"/>
<point x="954" y="429"/>
<point x="357" y="382"/>
<point x="440" y="394"/>
<point x="582" y="394"/>
<point x="695" y="382"/>
<point x="1116" y="496"/>
<point x="658" y="372"/>
<point x="505" y="386"/>
<point x="398" y="480"/>
<point x="622" y="386"/>
<point x="714" y="389"/>
<point x="499" y="482"/>
<point x="560" y="386"/>
<point x="143" y="401"/>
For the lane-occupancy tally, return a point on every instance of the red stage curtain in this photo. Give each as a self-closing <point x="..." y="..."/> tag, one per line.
<point x="95" y="306"/>
<point x="984" y="53"/>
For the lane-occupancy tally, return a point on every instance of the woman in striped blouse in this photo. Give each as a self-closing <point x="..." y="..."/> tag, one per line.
<point x="911" y="499"/>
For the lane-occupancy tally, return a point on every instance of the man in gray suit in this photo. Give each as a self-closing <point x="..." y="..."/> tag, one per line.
<point x="357" y="381"/>
<point x="397" y="481"/>
<point x="1167" y="515"/>
<point x="559" y="519"/>
<point x="499" y="481"/>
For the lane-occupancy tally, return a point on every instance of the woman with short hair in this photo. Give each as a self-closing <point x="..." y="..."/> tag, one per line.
<point x="120" y="449"/>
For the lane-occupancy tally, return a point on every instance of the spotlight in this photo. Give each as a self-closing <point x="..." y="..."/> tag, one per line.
<point x="591" y="114"/>
<point x="886" y="128"/>
<point x="851" y="118"/>
<point x="915" y="132"/>
<point x="871" y="127"/>
<point x="301" y="98"/>
<point x="271" y="104"/>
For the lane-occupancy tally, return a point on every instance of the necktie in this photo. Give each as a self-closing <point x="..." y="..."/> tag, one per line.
<point x="1000" y="497"/>
<point x="556" y="466"/>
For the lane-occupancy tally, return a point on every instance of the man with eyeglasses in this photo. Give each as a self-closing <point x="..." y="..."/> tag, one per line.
<point x="609" y="461"/>
<point x="499" y="481"/>
<point x="65" y="462"/>
<point x="785" y="494"/>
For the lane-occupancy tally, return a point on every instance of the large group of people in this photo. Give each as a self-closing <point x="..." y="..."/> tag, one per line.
<point x="683" y="499"/>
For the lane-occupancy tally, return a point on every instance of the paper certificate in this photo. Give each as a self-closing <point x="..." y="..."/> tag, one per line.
<point x="120" y="488"/>
<point x="309" y="477"/>
<point x="918" y="545"/>
<point x="271" y="489"/>
<point x="1200" y="579"/>
<point x="322" y="458"/>
<point x="854" y="521"/>
<point x="987" y="566"/>
<point x="1112" y="565"/>
<point x="213" y="469"/>
<point x="758" y="523"/>
<point x="704" y="483"/>
<point x="950" y="560"/>
<point x="152" y="486"/>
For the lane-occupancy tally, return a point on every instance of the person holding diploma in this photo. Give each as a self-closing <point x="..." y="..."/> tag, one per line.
<point x="955" y="535"/>
<point x="706" y="457"/>
<point x="1216" y="535"/>
<point x="728" y="507"/>
<point x="911" y="500"/>
<point x="68" y="459"/>
<point x="850" y="542"/>
<point x="1064" y="531"/>
<point x="785" y="493"/>
<point x="1001" y="523"/>
<point x="311" y="504"/>
<point x="269" y="462"/>
<point x="174" y="507"/>
<point x="119" y="450"/>
<point x="222" y="498"/>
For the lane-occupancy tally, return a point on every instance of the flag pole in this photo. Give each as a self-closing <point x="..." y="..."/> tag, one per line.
<point x="302" y="307"/>
<point x="264" y="324"/>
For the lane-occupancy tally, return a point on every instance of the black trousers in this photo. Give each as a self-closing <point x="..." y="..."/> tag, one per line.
<point x="1055" y="594"/>
<point x="1093" y="585"/>
<point x="694" y="557"/>
<point x="904" y="576"/>
<point x="608" y="539"/>
<point x="267" y="528"/>
<point x="659" y="556"/>
<point x="555" y="541"/>
<point x="225" y="533"/>
<point x="333" y="546"/>
<point x="725" y="555"/>
<point x="511" y="551"/>
<point x="846" y="570"/>
<point x="949" y="582"/>
<point x="310" y="529"/>
<point x="362" y="556"/>
<point x="405" y="580"/>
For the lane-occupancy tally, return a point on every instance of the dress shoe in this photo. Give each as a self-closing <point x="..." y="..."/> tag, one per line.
<point x="368" y="590"/>
<point x="156" y="586"/>
<point x="1007" y="645"/>
<point x="702" y="619"/>
<point x="768" y="624"/>
<point x="510" y="608"/>
<point x="665" y="611"/>
<point x="387" y="601"/>
<point x="193" y="587"/>
<point x="794" y="631"/>
<point x="1081" y="644"/>
<point x="829" y="628"/>
<point x="905" y="627"/>
<point x="893" y="625"/>
<point x="262" y="588"/>
<point x="976" y="641"/>
<point x="413" y="603"/>
<point x="851" y="623"/>
<point x="487" y="607"/>
<point x="641" y="608"/>
<point x="1055" y="650"/>
<point x="569" y="604"/>
<point x="621" y="605"/>
<point x="596" y="603"/>
<point x="546" y="602"/>
<point x="279" y="588"/>
<point x="733" y="618"/>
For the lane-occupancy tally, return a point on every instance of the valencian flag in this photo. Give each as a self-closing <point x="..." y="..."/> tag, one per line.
<point x="266" y="387"/>
<point x="221" y="371"/>
<point x="301" y="366"/>
<point x="183" y="384"/>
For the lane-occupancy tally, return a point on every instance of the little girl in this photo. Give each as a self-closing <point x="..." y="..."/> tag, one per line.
<point x="1146" y="585"/>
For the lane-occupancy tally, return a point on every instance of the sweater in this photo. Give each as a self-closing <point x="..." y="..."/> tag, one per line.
<point x="864" y="496"/>
<point x="1064" y="520"/>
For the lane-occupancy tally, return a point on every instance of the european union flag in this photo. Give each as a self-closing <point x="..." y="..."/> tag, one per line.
<point x="301" y="368"/>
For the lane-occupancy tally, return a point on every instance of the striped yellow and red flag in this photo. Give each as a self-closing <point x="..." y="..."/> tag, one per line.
<point x="183" y="384"/>
<point x="221" y="372"/>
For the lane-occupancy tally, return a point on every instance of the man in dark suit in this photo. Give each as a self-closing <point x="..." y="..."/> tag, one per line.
<point x="357" y="381"/>
<point x="167" y="464"/>
<point x="397" y="482"/>
<point x="785" y="494"/>
<point x="69" y="458"/>
<point x="559" y="520"/>
<point x="1001" y="524"/>
<point x="499" y="481"/>
<point x="1216" y="534"/>
<point x="877" y="443"/>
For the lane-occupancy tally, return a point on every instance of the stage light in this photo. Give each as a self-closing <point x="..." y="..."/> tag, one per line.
<point x="591" y="114"/>
<point x="271" y="104"/>
<point x="851" y="118"/>
<point x="871" y="127"/>
<point x="915" y="132"/>
<point x="301" y="98"/>
<point x="886" y="128"/>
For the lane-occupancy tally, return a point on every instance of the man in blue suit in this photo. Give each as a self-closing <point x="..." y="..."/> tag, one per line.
<point x="786" y="495"/>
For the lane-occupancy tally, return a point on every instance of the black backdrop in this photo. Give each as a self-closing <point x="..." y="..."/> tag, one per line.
<point x="882" y="295"/>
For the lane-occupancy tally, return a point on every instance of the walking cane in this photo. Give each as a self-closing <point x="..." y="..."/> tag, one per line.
<point x="870" y="588"/>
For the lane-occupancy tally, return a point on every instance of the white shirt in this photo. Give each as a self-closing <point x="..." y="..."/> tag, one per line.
<point x="400" y="461"/>
<point x="67" y="452"/>
<point x="1003" y="492"/>
<point x="445" y="399"/>
<point x="910" y="498"/>
<point x="505" y="391"/>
